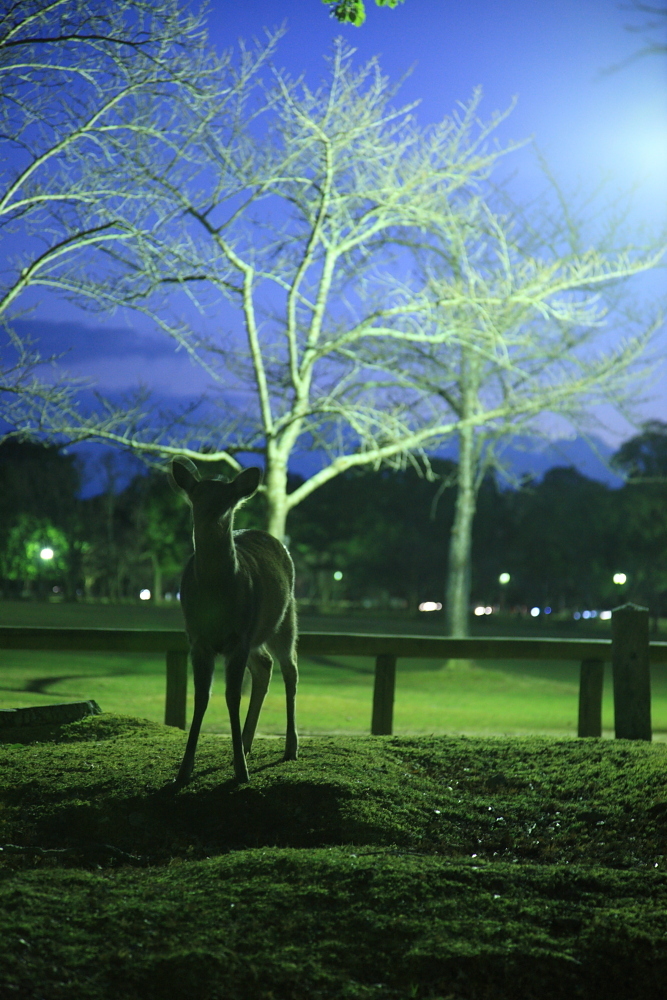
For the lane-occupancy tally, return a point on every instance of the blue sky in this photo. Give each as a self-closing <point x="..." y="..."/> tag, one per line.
<point x="551" y="56"/>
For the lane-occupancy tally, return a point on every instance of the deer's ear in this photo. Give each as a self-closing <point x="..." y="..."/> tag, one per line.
<point x="247" y="482"/>
<point x="184" y="475"/>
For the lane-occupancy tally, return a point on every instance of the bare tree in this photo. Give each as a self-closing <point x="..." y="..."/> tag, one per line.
<point x="75" y="77"/>
<point x="301" y="221"/>
<point x="653" y="28"/>
<point x="291" y="219"/>
<point x="528" y="321"/>
<point x="29" y="399"/>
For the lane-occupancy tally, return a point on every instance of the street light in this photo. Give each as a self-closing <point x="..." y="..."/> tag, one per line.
<point x="619" y="578"/>
<point x="504" y="578"/>
<point x="46" y="553"/>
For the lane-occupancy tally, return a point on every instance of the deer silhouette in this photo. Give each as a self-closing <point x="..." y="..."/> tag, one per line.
<point x="237" y="595"/>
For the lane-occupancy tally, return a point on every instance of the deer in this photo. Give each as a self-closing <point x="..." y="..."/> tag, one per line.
<point x="237" y="597"/>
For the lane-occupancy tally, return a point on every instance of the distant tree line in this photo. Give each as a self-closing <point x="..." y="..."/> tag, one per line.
<point x="375" y="539"/>
<point x="110" y="546"/>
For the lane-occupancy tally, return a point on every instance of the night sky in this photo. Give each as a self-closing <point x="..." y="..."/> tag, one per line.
<point x="552" y="56"/>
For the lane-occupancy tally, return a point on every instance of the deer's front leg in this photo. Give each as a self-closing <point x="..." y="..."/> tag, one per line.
<point x="203" y="662"/>
<point x="236" y="665"/>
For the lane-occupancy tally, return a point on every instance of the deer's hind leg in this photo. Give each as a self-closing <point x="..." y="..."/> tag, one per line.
<point x="260" y="665"/>
<point x="283" y="645"/>
<point x="203" y="662"/>
<point x="236" y="664"/>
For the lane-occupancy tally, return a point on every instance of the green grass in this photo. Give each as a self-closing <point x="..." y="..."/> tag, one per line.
<point x="430" y="867"/>
<point x="376" y="868"/>
<point x="335" y="694"/>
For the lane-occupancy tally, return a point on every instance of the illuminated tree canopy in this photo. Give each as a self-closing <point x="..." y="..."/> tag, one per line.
<point x="75" y="78"/>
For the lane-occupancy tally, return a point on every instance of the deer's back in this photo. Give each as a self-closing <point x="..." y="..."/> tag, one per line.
<point x="247" y="607"/>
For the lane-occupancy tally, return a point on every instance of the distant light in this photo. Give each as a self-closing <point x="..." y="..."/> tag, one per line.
<point x="585" y="614"/>
<point x="338" y="575"/>
<point x="46" y="553"/>
<point x="594" y="614"/>
<point x="547" y="611"/>
<point x="605" y="615"/>
<point x="430" y="606"/>
<point x="619" y="578"/>
<point x="488" y="611"/>
<point x="144" y="595"/>
<point x="576" y="615"/>
<point x="534" y="612"/>
<point x="479" y="610"/>
<point x="504" y="578"/>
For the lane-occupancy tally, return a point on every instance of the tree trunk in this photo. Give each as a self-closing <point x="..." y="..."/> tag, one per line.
<point x="460" y="544"/>
<point x="73" y="572"/>
<point x="276" y="498"/>
<point x="157" y="578"/>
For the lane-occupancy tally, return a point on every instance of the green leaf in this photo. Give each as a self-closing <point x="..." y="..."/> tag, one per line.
<point x="349" y="11"/>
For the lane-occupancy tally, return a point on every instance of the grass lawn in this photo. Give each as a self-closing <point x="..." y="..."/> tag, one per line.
<point x="335" y="693"/>
<point x="443" y="863"/>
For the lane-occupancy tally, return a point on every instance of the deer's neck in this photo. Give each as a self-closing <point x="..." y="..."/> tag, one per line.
<point x="215" y="552"/>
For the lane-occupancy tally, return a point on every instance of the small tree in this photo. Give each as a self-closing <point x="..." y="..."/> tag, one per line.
<point x="643" y="458"/>
<point x="520" y="319"/>
<point x="164" y="528"/>
<point x="643" y="520"/>
<point x="39" y="506"/>
<point x="35" y="552"/>
<point x="354" y="11"/>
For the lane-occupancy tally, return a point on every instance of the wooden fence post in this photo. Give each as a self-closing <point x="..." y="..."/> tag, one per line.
<point x="383" y="695"/>
<point x="177" y="688"/>
<point x="632" y="672"/>
<point x="591" y="680"/>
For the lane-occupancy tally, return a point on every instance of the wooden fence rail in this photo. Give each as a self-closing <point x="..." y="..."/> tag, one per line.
<point x="629" y="651"/>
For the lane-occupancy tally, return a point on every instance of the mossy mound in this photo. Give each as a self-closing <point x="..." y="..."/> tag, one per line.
<point x="370" y="869"/>
<point x="91" y="727"/>
<point x="334" y="924"/>
<point x="107" y="779"/>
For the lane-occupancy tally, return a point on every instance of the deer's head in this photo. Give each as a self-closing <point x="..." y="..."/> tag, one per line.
<point x="213" y="498"/>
